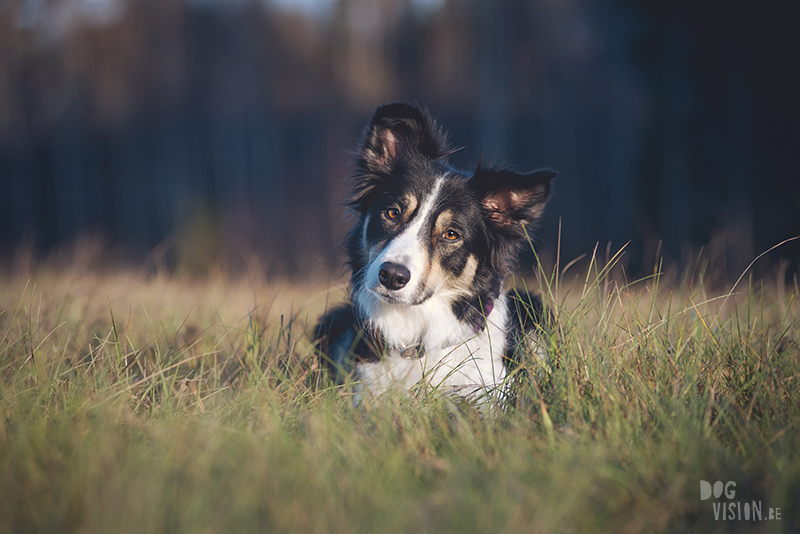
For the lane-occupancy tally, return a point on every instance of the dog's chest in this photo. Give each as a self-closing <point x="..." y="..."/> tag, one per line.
<point x="473" y="368"/>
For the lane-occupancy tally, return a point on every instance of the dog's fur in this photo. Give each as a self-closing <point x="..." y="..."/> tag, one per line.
<point x="429" y="253"/>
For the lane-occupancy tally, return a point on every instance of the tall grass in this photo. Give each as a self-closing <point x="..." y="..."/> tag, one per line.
<point x="149" y="404"/>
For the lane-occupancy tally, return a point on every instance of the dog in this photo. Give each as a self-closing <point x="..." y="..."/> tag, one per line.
<point x="429" y="252"/>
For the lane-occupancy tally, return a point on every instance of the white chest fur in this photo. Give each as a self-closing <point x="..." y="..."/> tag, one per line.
<point x="455" y="359"/>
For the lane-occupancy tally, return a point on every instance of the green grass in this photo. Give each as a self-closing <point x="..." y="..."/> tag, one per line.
<point x="135" y="404"/>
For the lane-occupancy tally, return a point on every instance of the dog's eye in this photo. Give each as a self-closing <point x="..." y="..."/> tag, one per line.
<point x="392" y="213"/>
<point x="451" y="235"/>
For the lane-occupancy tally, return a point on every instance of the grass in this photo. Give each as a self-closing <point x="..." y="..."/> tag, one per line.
<point x="157" y="404"/>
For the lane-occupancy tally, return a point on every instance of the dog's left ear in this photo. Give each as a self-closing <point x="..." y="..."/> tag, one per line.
<point x="512" y="200"/>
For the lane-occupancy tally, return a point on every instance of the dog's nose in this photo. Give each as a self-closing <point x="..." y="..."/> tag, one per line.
<point x="393" y="276"/>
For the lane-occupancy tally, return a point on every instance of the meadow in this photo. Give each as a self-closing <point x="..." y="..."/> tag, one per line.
<point x="140" y="402"/>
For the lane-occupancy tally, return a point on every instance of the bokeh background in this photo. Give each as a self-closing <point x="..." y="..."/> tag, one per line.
<point x="184" y="133"/>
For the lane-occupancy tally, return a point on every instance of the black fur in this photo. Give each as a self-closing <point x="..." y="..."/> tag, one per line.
<point x="340" y="342"/>
<point x="528" y="316"/>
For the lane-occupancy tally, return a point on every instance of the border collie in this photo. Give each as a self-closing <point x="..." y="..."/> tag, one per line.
<point x="429" y="251"/>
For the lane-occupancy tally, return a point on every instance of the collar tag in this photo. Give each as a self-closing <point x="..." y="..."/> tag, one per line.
<point x="414" y="352"/>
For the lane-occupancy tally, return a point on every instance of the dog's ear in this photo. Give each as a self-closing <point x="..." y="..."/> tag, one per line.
<point x="397" y="132"/>
<point x="512" y="200"/>
<point x="511" y="203"/>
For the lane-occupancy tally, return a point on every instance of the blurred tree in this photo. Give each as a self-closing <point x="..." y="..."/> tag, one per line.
<point x="141" y="121"/>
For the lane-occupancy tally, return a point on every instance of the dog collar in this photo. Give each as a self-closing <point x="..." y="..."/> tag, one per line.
<point x="488" y="307"/>
<point x="480" y="323"/>
<point x="410" y="352"/>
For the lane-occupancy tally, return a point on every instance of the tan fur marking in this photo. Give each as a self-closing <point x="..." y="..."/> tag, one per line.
<point x="443" y="222"/>
<point x="468" y="274"/>
<point x="435" y="277"/>
<point x="411" y="204"/>
<point x="438" y="278"/>
<point x="463" y="283"/>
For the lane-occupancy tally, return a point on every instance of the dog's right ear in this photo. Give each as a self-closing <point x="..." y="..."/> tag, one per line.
<point x="397" y="132"/>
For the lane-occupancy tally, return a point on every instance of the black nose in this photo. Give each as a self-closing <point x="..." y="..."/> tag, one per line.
<point x="393" y="276"/>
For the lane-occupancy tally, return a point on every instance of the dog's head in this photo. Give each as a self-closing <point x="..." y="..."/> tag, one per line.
<point x="425" y="227"/>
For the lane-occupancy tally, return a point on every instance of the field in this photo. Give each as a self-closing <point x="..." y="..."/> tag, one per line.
<point x="157" y="403"/>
